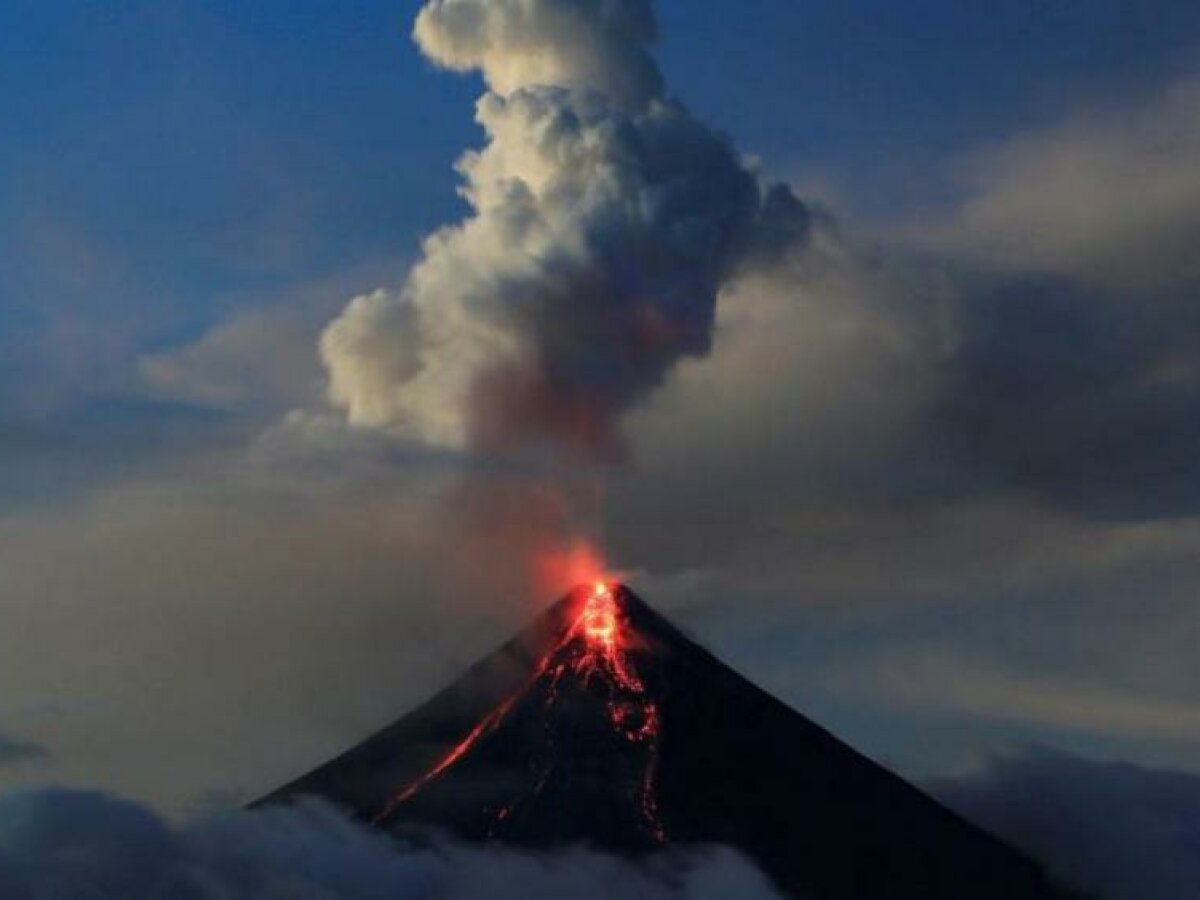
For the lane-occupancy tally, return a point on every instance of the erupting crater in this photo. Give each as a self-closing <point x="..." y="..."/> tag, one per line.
<point x="593" y="658"/>
<point x="603" y="724"/>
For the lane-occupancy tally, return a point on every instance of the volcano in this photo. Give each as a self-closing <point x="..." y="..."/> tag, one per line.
<point x="602" y="724"/>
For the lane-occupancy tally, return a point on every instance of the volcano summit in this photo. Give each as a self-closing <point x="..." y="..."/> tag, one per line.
<point x="602" y="724"/>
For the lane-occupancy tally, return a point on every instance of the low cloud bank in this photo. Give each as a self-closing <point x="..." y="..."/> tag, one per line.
<point x="58" y="844"/>
<point x="1121" y="831"/>
<point x="1118" y="831"/>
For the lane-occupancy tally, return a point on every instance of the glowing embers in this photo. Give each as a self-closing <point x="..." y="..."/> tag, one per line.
<point x="593" y="656"/>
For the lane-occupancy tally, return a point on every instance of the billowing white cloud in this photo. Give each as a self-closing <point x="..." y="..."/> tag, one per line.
<point x="598" y="45"/>
<point x="605" y="220"/>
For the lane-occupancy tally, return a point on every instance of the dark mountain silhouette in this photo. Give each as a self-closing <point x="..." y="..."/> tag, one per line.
<point x="603" y="724"/>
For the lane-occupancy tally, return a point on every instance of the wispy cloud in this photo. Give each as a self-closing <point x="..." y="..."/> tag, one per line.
<point x="1112" y="193"/>
<point x="941" y="681"/>
<point x="16" y="750"/>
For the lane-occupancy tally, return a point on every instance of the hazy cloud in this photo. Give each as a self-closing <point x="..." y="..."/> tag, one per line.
<point x="1088" y="399"/>
<point x="1073" y="373"/>
<point x="245" y="362"/>
<point x="823" y="370"/>
<point x="258" y="361"/>
<point x="1123" y="831"/>
<point x="1111" y="194"/>
<point x="197" y="618"/>
<point x="934" y="680"/>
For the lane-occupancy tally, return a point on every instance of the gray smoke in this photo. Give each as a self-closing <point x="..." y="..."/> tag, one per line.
<point x="605" y="221"/>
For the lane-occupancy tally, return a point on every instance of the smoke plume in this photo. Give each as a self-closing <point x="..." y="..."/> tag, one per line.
<point x="605" y="221"/>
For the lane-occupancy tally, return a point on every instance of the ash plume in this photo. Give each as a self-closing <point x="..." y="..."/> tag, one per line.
<point x="605" y="220"/>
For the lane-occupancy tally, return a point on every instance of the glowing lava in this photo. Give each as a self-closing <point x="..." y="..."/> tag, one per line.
<point x="600" y="618"/>
<point x="594" y="651"/>
<point x="631" y="711"/>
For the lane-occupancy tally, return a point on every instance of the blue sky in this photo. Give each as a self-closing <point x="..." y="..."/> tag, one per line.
<point x="170" y="156"/>
<point x="190" y="192"/>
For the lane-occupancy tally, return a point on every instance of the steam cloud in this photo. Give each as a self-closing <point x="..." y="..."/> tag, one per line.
<point x="606" y="219"/>
<point x="59" y="844"/>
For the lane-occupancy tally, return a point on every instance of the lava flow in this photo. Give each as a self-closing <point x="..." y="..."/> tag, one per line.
<point x="594" y="652"/>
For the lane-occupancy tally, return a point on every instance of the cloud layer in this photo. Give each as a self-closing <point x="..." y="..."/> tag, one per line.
<point x="1125" y="832"/>
<point x="57" y="844"/>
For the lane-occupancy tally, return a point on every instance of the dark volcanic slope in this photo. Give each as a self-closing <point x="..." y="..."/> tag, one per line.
<point x="553" y="740"/>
